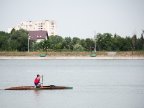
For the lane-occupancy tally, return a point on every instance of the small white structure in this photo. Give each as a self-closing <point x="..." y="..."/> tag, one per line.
<point x="112" y="54"/>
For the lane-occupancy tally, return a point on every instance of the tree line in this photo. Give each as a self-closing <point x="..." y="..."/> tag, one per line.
<point x="18" y="41"/>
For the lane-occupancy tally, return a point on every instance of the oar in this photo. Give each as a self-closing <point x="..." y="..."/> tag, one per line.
<point x="42" y="80"/>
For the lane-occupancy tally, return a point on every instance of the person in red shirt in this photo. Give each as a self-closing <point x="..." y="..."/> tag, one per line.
<point x="37" y="81"/>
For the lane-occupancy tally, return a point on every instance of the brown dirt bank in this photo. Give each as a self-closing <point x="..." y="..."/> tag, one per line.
<point x="77" y="54"/>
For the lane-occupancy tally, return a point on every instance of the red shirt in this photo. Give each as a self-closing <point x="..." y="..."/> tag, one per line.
<point x="37" y="80"/>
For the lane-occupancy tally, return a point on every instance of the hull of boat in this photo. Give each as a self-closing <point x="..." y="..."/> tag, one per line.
<point x="51" y="87"/>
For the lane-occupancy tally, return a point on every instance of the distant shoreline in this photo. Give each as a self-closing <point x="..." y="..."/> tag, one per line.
<point x="73" y="55"/>
<point x="68" y="58"/>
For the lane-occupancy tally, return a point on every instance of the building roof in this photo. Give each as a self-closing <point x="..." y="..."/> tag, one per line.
<point x="34" y="35"/>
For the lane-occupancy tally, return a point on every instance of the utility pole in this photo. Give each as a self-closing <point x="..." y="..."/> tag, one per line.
<point x="95" y="36"/>
<point x="28" y="42"/>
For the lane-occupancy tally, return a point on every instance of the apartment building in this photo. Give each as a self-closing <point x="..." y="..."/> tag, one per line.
<point x="43" y="25"/>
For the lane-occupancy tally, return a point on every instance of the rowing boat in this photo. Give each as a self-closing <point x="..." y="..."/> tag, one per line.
<point x="51" y="87"/>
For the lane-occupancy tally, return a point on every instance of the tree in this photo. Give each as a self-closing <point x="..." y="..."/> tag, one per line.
<point x="17" y="40"/>
<point x="83" y="44"/>
<point x="125" y="44"/>
<point x="134" y="39"/>
<point x="20" y="38"/>
<point x="43" y="45"/>
<point x="142" y="41"/>
<point x="89" y="44"/>
<point x="78" y="47"/>
<point x="68" y="43"/>
<point x="56" y="42"/>
<point x="104" y="41"/>
<point x="13" y="31"/>
<point x="75" y="40"/>
<point x="4" y="45"/>
<point x="121" y="44"/>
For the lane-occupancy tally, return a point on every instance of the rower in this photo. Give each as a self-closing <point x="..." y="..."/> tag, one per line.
<point x="37" y="81"/>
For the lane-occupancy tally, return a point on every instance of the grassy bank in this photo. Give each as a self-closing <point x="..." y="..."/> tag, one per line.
<point x="99" y="53"/>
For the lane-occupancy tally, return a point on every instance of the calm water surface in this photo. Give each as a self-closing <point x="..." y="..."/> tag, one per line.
<point x="97" y="83"/>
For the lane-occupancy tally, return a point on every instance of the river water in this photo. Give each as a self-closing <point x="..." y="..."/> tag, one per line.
<point x="96" y="83"/>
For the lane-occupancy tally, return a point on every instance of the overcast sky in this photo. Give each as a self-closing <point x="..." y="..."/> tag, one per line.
<point x="80" y="18"/>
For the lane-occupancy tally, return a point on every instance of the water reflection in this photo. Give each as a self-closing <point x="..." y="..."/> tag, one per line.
<point x="37" y="92"/>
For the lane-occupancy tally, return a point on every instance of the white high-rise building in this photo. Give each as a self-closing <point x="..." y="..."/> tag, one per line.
<point x="44" y="25"/>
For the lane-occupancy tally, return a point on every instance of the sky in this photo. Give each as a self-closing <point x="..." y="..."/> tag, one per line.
<point x="77" y="18"/>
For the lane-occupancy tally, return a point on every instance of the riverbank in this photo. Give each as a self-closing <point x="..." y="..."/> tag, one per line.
<point x="73" y="55"/>
<point x="76" y="53"/>
<point x="68" y="58"/>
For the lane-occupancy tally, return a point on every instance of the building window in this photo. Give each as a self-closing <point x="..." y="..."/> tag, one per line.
<point x="52" y="23"/>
